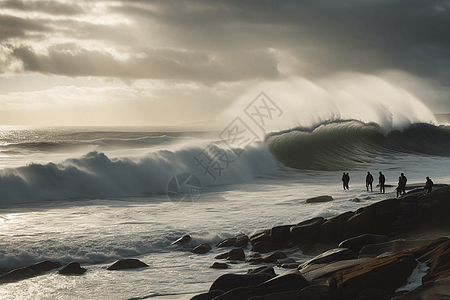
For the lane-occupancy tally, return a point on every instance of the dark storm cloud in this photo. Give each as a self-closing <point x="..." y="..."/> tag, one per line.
<point x="231" y="40"/>
<point x="13" y="27"/>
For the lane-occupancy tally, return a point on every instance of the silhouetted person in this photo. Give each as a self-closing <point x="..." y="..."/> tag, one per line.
<point x="369" y="180"/>
<point x="428" y="185"/>
<point x="345" y="180"/>
<point x="403" y="177"/>
<point x="401" y="186"/>
<point x="381" y="181"/>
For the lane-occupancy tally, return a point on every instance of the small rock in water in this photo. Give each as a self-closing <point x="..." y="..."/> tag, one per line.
<point x="217" y="265"/>
<point x="183" y="240"/>
<point x="201" y="249"/>
<point x="355" y="200"/>
<point x="129" y="263"/>
<point x="72" y="268"/>
<point x="324" y="198"/>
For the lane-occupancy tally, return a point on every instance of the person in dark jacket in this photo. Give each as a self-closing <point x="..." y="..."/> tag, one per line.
<point x="381" y="181"/>
<point x="428" y="185"/>
<point x="369" y="180"/>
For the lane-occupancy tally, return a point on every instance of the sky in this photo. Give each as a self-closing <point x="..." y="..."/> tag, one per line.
<point x="174" y="62"/>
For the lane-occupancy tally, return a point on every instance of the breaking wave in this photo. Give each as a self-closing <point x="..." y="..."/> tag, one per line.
<point x="345" y="144"/>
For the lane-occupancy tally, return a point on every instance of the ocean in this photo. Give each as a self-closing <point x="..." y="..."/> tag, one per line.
<point x="98" y="194"/>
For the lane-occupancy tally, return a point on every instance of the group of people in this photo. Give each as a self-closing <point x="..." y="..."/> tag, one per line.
<point x="401" y="188"/>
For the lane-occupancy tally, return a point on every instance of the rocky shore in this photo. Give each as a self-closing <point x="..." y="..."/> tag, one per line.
<point x="368" y="254"/>
<point x="395" y="249"/>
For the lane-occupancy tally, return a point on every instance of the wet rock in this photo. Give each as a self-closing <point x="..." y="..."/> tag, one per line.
<point x="306" y="230"/>
<point x="235" y="254"/>
<point x="288" y="281"/>
<point x="72" y="268"/>
<point x="374" y="250"/>
<point x="227" y="243"/>
<point x="30" y="271"/>
<point x="208" y="296"/>
<point x="260" y="236"/>
<point x="318" y="199"/>
<point x="241" y="293"/>
<point x="435" y="289"/>
<point x="319" y="273"/>
<point x="217" y="265"/>
<point x="265" y="247"/>
<point x="183" y="240"/>
<point x="268" y="270"/>
<point x="386" y="273"/>
<point x="282" y="261"/>
<point x="228" y="282"/>
<point x="271" y="258"/>
<point x="280" y="234"/>
<point x="356" y="243"/>
<point x="314" y="292"/>
<point x="437" y="255"/>
<point x="201" y="249"/>
<point x="336" y="254"/>
<point x="128" y="263"/>
<point x="241" y="241"/>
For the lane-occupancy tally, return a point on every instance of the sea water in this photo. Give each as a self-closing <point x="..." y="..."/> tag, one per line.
<point x="96" y="195"/>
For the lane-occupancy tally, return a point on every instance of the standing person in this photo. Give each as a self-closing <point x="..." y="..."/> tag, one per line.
<point x="404" y="179"/>
<point x="381" y="181"/>
<point x="344" y="180"/>
<point x="369" y="180"/>
<point x="348" y="180"/>
<point x="428" y="185"/>
<point x="400" y="186"/>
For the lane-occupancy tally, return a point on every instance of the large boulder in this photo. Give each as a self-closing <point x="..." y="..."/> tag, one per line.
<point x="306" y="230"/>
<point x="266" y="247"/>
<point x="288" y="281"/>
<point x="271" y="258"/>
<point x="356" y="243"/>
<point x="260" y="236"/>
<point x="128" y="263"/>
<point x="437" y="255"/>
<point x="280" y="234"/>
<point x="235" y="254"/>
<point x="237" y="241"/>
<point x="207" y="296"/>
<point x="30" y="271"/>
<point x="329" y="256"/>
<point x="314" y="292"/>
<point x="228" y="282"/>
<point x="374" y="250"/>
<point x="382" y="273"/>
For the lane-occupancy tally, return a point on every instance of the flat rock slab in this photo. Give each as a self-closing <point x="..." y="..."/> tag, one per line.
<point x="337" y="254"/>
<point x="30" y="271"/>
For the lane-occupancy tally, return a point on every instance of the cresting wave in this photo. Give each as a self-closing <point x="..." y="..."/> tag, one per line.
<point x="348" y="144"/>
<point x="96" y="175"/>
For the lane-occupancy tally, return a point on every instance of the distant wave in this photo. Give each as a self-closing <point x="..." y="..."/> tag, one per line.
<point x="95" y="175"/>
<point x="345" y="144"/>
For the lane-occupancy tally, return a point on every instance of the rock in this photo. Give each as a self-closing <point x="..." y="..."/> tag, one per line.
<point x="265" y="247"/>
<point x="374" y="250"/>
<point x="72" y="268"/>
<point x="228" y="282"/>
<point x="386" y="273"/>
<point x="268" y="270"/>
<point x="282" y="261"/>
<point x="235" y="254"/>
<point x="30" y="271"/>
<point x="271" y="258"/>
<point x="314" y="292"/>
<point x="183" y="240"/>
<point x="260" y="236"/>
<point x="306" y="230"/>
<point x="208" y="296"/>
<point x="227" y="243"/>
<point x="217" y="265"/>
<point x="201" y="249"/>
<point x="241" y="293"/>
<point x="356" y="243"/>
<point x="280" y="234"/>
<point x="288" y="281"/>
<point x="331" y="255"/>
<point x="319" y="273"/>
<point x="318" y="199"/>
<point x="241" y="241"/>
<point x="437" y="255"/>
<point x="436" y="289"/>
<point x="128" y="263"/>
